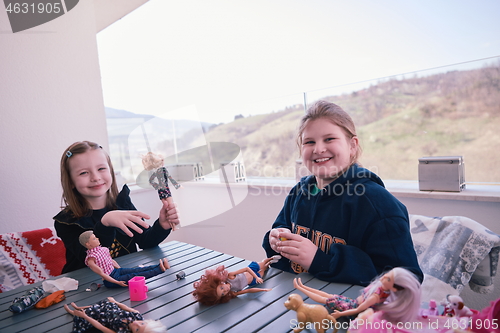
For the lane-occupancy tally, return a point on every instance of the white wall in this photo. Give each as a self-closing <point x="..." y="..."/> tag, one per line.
<point x="236" y="231"/>
<point x="50" y="97"/>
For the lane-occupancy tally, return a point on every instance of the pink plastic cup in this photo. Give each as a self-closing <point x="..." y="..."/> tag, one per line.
<point x="137" y="288"/>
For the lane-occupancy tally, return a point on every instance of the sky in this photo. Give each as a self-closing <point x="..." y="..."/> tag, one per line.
<point x="210" y="60"/>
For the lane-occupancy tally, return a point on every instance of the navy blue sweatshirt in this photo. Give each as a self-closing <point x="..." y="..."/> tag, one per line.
<point x="360" y="229"/>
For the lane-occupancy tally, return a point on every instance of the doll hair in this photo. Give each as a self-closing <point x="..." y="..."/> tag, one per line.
<point x="336" y="115"/>
<point x="84" y="237"/>
<point x="402" y="305"/>
<point x="206" y="289"/>
<point x="152" y="161"/>
<point x="154" y="326"/>
<point x="74" y="201"/>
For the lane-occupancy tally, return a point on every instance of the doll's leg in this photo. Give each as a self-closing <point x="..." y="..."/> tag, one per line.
<point x="315" y="294"/>
<point x="154" y="270"/>
<point x="165" y="263"/>
<point x="125" y="274"/>
<point x="264" y="265"/>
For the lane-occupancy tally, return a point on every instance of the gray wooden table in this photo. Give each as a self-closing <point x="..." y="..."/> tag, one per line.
<point x="170" y="300"/>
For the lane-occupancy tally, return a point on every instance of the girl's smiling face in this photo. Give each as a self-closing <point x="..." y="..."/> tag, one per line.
<point x="326" y="150"/>
<point x="91" y="176"/>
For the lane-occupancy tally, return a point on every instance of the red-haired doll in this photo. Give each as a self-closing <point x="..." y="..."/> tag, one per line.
<point x="220" y="286"/>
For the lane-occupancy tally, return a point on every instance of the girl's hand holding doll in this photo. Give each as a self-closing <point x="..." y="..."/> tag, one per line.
<point x="125" y="220"/>
<point x="168" y="215"/>
<point x="296" y="248"/>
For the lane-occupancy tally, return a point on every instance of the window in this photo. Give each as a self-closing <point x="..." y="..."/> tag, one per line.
<point x="451" y="111"/>
<point x="448" y="110"/>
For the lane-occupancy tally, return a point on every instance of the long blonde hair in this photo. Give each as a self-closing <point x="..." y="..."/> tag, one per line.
<point x="403" y="304"/>
<point x="75" y="202"/>
<point x="154" y="326"/>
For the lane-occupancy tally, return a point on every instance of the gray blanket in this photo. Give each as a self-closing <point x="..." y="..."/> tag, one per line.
<point x="453" y="251"/>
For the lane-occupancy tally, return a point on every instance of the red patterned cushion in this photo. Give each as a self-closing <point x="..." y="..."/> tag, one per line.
<point x="30" y="256"/>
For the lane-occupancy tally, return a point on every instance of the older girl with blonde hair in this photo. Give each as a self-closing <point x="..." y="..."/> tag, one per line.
<point x="340" y="223"/>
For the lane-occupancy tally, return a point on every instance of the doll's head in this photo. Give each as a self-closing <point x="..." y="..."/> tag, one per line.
<point x="404" y="302"/>
<point x="205" y="290"/>
<point x="88" y="239"/>
<point x="152" y="161"/>
<point x="75" y="201"/>
<point x="147" y="326"/>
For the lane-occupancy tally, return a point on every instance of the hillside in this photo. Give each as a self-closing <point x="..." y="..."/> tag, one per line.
<point x="398" y="121"/>
<point x="131" y="135"/>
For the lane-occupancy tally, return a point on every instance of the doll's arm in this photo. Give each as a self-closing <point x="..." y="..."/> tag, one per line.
<point x="115" y="264"/>
<point x="251" y="291"/>
<point x="152" y="182"/>
<point x="232" y="275"/>
<point x="239" y="271"/>
<point x="172" y="180"/>
<point x="122" y="306"/>
<point x="96" y="269"/>
<point x="367" y="303"/>
<point x="93" y="322"/>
